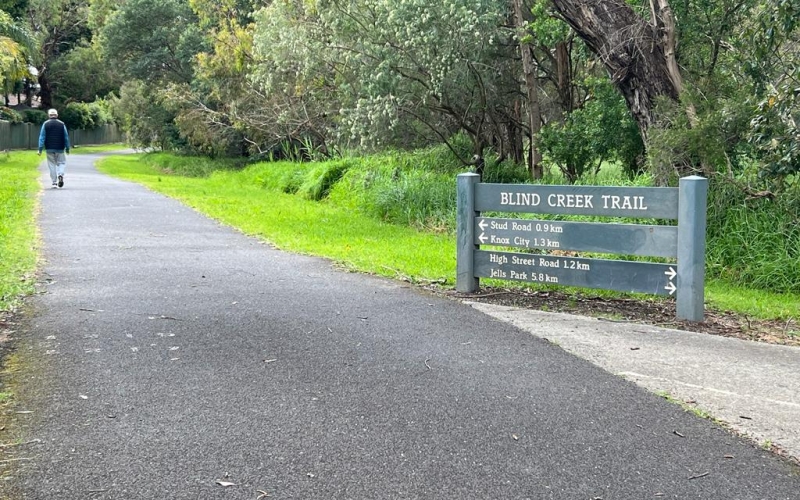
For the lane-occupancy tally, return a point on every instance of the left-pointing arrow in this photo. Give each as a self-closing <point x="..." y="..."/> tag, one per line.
<point x="483" y="238"/>
<point x="482" y="224"/>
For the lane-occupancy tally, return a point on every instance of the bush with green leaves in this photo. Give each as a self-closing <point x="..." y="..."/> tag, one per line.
<point x="85" y="116"/>
<point x="602" y="130"/>
<point x="144" y="117"/>
<point x="35" y="116"/>
<point x="776" y="136"/>
<point x="10" y="115"/>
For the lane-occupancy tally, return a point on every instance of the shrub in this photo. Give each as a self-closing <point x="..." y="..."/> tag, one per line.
<point x="77" y="115"/>
<point x="86" y="116"/>
<point x="10" y="115"/>
<point x="35" y="116"/>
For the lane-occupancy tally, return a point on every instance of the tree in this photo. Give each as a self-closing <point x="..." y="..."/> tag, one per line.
<point x="775" y="130"/>
<point x="529" y="70"/>
<point x="152" y="40"/>
<point x="441" y="66"/>
<point x="60" y="25"/>
<point x="17" y="49"/>
<point x="82" y="75"/>
<point x="639" y="55"/>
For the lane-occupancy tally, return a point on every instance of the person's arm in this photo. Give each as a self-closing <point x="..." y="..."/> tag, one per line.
<point x="66" y="140"/>
<point x="41" y="139"/>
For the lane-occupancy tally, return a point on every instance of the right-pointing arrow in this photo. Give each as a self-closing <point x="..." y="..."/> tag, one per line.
<point x="671" y="287"/>
<point x="671" y="273"/>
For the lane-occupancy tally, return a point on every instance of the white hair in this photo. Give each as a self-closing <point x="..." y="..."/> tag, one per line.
<point x="52" y="112"/>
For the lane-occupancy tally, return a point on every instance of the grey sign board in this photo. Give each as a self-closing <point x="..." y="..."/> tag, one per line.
<point x="654" y="203"/>
<point x="550" y="241"/>
<point x="625" y="239"/>
<point x="619" y="275"/>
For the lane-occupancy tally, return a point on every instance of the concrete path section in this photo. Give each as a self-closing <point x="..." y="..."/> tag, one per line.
<point x="171" y="357"/>
<point x="752" y="387"/>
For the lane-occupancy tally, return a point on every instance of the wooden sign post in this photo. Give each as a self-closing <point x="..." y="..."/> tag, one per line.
<point x="684" y="242"/>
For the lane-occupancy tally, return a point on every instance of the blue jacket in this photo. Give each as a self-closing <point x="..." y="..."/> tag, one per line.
<point x="53" y="137"/>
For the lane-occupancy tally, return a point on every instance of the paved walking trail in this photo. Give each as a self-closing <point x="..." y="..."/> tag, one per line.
<point x="174" y="358"/>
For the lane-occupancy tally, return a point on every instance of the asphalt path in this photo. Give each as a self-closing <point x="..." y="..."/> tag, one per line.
<point x="171" y="357"/>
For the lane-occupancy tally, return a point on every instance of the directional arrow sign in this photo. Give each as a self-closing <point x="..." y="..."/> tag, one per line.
<point x="482" y="238"/>
<point x="627" y="239"/>
<point x="625" y="276"/>
<point x="671" y="273"/>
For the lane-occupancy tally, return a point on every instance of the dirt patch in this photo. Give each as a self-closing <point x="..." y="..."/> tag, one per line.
<point x="658" y="312"/>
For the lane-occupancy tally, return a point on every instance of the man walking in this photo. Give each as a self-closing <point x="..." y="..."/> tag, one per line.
<point x="54" y="139"/>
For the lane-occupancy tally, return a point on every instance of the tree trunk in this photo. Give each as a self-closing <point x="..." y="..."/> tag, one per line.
<point x="564" y="76"/>
<point x="45" y="92"/>
<point x="532" y="90"/>
<point x="639" y="56"/>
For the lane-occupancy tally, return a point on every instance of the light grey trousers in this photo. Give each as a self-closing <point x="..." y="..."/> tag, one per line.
<point x="56" y="162"/>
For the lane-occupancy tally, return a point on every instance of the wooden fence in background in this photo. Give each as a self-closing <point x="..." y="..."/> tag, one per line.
<point x="26" y="136"/>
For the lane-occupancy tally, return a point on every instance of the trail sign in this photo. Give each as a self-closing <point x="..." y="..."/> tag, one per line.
<point x="555" y="242"/>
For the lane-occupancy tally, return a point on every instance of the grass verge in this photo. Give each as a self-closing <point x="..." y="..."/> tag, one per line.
<point x="18" y="235"/>
<point x="258" y="200"/>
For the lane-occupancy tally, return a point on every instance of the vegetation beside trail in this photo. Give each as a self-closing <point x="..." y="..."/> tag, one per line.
<point x="19" y="189"/>
<point x="391" y="215"/>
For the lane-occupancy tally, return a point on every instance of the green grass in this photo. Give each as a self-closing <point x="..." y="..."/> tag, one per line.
<point x="260" y="201"/>
<point x="754" y="303"/>
<point x="19" y="190"/>
<point x="101" y="148"/>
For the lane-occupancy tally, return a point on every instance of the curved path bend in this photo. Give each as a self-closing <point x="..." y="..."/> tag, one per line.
<point x="172" y="357"/>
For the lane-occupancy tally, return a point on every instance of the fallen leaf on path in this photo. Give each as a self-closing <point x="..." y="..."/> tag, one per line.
<point x="225" y="484"/>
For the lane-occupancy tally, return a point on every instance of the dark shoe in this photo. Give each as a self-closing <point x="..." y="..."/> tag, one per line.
<point x="60" y="181"/>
